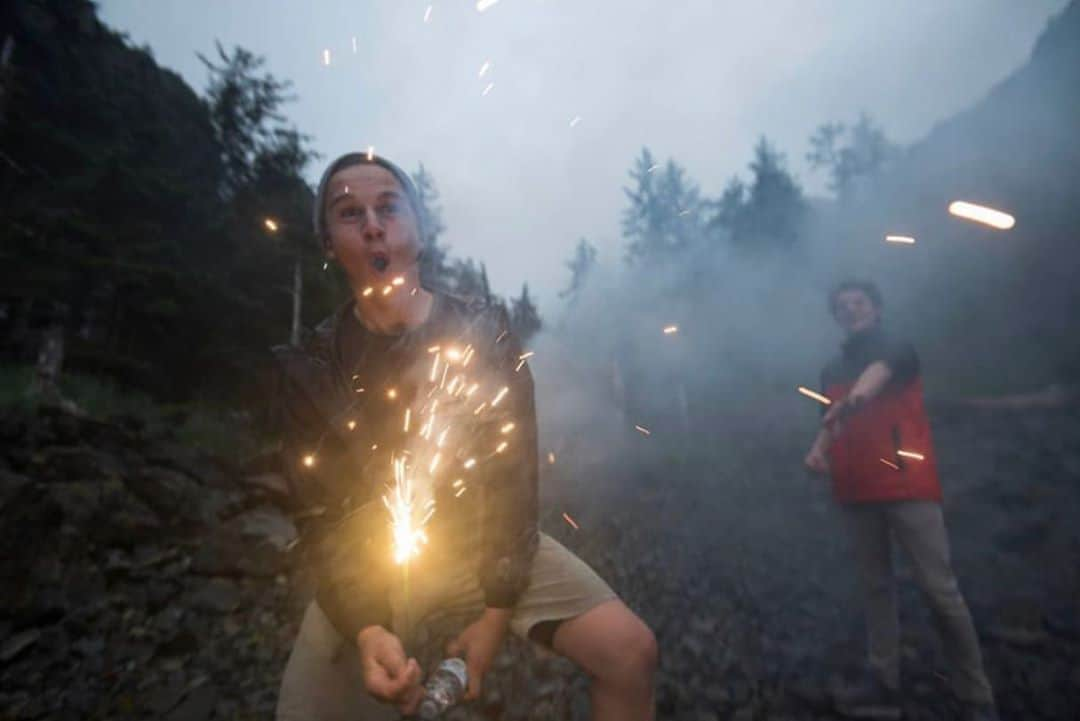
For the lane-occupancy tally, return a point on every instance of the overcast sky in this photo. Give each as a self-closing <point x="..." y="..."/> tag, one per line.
<point x="696" y="80"/>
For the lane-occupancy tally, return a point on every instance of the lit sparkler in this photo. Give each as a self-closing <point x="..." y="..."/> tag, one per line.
<point x="982" y="214"/>
<point x="406" y="521"/>
<point x="815" y="395"/>
<point x="907" y="239"/>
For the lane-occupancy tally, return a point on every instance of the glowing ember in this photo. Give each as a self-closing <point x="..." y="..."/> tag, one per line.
<point x="399" y="280"/>
<point x="501" y="447"/>
<point x="643" y="430"/>
<point x="406" y="523"/>
<point x="982" y="214"/>
<point x="501" y="336"/>
<point x="671" y="330"/>
<point x="392" y="393"/>
<point x="900" y="239"/>
<point x="433" y="349"/>
<point x="815" y="395"/>
<point x="387" y="289"/>
<point x="351" y="425"/>
<point x="507" y="428"/>
<point x="271" y="225"/>
<point x="482" y="5"/>
<point x="367" y="291"/>
<point x="479" y="408"/>
<point x="453" y="354"/>
<point x="470" y="463"/>
<point x="370" y="153"/>
<point x="499" y="396"/>
<point x="460" y="491"/>
<point x="309" y="460"/>
<point x="326" y="57"/>
<point x="890" y="464"/>
<point x="408" y="416"/>
<point x="487" y="89"/>
<point x="484" y="68"/>
<point x="568" y="519"/>
<point x="551" y="457"/>
<point x="912" y="455"/>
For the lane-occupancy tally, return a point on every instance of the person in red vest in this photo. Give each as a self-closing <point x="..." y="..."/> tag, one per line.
<point x="876" y="445"/>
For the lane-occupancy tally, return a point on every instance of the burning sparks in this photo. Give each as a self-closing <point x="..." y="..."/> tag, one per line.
<point x="370" y="153"/>
<point x="501" y="447"/>
<point x="499" y="396"/>
<point x="367" y="291"/>
<point x="551" y="457"/>
<point x="392" y="393"/>
<point x="815" y="395"/>
<point x="427" y="13"/>
<point x="405" y="521"/>
<point x="890" y="464"/>
<point x="643" y="430"/>
<point x="982" y="214"/>
<point x="326" y="57"/>
<point x="484" y="68"/>
<point x="408" y="417"/>
<point x="487" y="89"/>
<point x="482" y="5"/>
<point x="309" y="460"/>
<point x="351" y="425"/>
<point x="387" y="289"/>
<point x="671" y="330"/>
<point x="271" y="225"/>
<point x="568" y="519"/>
<point x="399" y="280"/>
<point x="469" y="463"/>
<point x="912" y="455"/>
<point x="575" y="121"/>
<point x="900" y="239"/>
<point x="507" y="428"/>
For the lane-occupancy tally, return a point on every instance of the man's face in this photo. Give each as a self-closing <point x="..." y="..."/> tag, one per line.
<point x="373" y="231"/>
<point x="854" y="311"/>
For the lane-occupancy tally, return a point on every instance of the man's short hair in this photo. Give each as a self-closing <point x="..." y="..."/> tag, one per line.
<point x="865" y="286"/>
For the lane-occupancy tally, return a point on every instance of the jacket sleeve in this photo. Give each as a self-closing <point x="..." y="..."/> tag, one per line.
<point x="339" y="551"/>
<point x="510" y="494"/>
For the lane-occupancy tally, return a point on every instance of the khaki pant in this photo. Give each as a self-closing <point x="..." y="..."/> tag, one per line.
<point x="919" y="527"/>
<point x="322" y="680"/>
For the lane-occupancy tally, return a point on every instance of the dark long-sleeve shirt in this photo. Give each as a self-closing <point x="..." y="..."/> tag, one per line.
<point x="342" y="400"/>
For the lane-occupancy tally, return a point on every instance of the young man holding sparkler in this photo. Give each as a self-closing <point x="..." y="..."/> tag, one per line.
<point x="875" y="443"/>
<point x="409" y="433"/>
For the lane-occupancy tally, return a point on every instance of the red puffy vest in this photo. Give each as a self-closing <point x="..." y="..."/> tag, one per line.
<point x="864" y="456"/>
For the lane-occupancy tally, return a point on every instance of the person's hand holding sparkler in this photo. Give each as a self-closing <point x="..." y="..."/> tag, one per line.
<point x="389" y="675"/>
<point x="478" y="644"/>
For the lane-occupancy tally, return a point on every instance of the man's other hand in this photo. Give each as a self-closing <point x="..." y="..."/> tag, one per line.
<point x="389" y="675"/>
<point x="478" y="644"/>
<point x="816" y="461"/>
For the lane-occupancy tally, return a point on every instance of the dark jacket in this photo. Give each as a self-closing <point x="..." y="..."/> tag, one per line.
<point x="343" y="525"/>
<point x="870" y="458"/>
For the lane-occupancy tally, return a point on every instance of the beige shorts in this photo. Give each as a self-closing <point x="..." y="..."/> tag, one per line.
<point x="322" y="680"/>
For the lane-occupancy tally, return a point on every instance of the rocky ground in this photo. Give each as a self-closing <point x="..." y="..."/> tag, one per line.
<point x="142" y="579"/>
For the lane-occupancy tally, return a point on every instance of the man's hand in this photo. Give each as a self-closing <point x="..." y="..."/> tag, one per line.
<point x="840" y="411"/>
<point x="816" y="461"/>
<point x="388" y="675"/>
<point x="478" y="644"/>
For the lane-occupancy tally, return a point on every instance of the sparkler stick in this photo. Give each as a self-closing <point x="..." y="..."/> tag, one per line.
<point x="982" y="214"/>
<point x="815" y="395"/>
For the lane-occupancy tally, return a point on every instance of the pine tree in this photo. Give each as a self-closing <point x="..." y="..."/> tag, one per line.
<point x="525" y="319"/>
<point x="665" y="212"/>
<point x="850" y="155"/>
<point x="435" y="268"/>
<point x="579" y="265"/>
